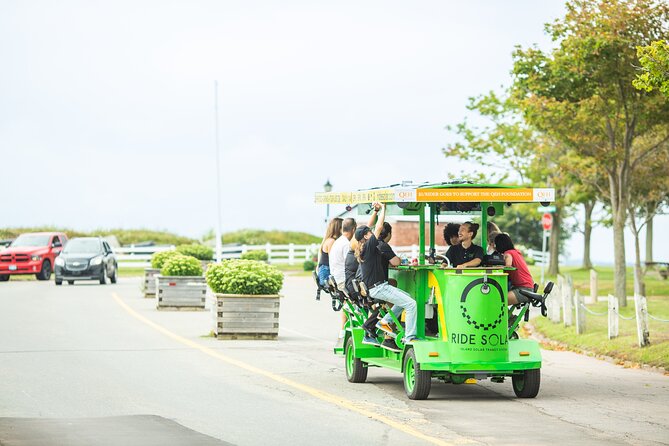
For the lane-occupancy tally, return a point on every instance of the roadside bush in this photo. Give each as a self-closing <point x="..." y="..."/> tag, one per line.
<point x="309" y="265"/>
<point x="255" y="255"/>
<point x="181" y="265"/>
<point x="159" y="258"/>
<point x="244" y="277"/>
<point x="200" y="252"/>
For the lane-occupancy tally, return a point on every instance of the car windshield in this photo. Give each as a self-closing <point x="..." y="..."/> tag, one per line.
<point x="30" y="240"/>
<point x="83" y="246"/>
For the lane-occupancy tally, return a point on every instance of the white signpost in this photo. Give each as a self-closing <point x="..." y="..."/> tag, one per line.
<point x="547" y="223"/>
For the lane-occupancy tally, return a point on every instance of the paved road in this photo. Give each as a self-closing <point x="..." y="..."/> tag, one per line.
<point x="76" y="361"/>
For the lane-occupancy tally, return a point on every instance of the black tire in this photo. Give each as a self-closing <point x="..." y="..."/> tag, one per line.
<point x="4" y="277"/>
<point x="45" y="272"/>
<point x="417" y="382"/>
<point x="70" y="282"/>
<point x="59" y="281"/>
<point x="356" y="372"/>
<point x="526" y="384"/>
<point x="103" y="275"/>
<point x="113" y="277"/>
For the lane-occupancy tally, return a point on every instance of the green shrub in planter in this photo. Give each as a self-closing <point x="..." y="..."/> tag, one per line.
<point x="159" y="258"/>
<point x="181" y="265"/>
<point x="255" y="255"/>
<point x="244" y="277"/>
<point x="309" y="265"/>
<point x="200" y="252"/>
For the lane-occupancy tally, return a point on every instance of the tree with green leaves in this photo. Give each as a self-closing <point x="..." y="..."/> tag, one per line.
<point x="654" y="61"/>
<point x="581" y="94"/>
<point x="509" y="145"/>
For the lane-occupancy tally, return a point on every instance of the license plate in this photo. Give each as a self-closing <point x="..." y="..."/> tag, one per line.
<point x="12" y="267"/>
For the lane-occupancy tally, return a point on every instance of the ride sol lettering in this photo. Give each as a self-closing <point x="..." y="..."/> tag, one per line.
<point x="491" y="340"/>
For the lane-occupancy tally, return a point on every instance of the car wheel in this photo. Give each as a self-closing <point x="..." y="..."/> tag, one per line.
<point x="114" y="276"/>
<point x="4" y="277"/>
<point x="70" y="282"/>
<point x="45" y="272"/>
<point x="103" y="275"/>
<point x="59" y="281"/>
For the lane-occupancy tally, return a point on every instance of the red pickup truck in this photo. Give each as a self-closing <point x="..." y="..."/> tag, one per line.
<point x="32" y="253"/>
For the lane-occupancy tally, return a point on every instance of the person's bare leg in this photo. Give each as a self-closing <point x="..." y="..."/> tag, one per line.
<point x="513" y="300"/>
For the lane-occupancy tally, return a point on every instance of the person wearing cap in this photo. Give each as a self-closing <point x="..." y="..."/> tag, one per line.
<point x="374" y="269"/>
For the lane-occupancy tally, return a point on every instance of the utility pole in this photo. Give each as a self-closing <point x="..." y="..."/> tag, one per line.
<point x="218" y="178"/>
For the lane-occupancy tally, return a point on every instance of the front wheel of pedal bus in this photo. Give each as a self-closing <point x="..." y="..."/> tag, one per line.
<point x="417" y="382"/>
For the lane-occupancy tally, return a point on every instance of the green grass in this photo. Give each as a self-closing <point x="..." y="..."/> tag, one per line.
<point x="595" y="339"/>
<point x="655" y="285"/>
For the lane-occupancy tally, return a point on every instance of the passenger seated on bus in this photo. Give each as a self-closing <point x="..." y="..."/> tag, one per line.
<point x="466" y="254"/>
<point x="451" y="234"/>
<point x="332" y="233"/>
<point x="520" y="278"/>
<point x="374" y="275"/>
<point x="352" y="269"/>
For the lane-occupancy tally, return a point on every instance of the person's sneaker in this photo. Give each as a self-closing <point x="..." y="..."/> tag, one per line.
<point x="409" y="340"/>
<point x="386" y="328"/>
<point x="389" y="344"/>
<point x="370" y="340"/>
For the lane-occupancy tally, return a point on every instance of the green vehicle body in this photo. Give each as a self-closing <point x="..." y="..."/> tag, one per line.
<point x="472" y="339"/>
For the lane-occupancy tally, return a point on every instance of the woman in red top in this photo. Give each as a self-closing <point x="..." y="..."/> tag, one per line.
<point x="521" y="277"/>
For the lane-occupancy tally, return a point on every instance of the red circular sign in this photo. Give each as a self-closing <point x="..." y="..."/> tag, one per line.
<point x="547" y="221"/>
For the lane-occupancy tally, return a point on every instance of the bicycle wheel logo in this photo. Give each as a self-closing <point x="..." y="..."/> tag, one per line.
<point x="467" y="313"/>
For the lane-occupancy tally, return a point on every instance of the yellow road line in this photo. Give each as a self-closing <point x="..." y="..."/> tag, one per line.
<point x="321" y="395"/>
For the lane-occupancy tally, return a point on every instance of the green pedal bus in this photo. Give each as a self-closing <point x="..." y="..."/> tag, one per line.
<point x="463" y="314"/>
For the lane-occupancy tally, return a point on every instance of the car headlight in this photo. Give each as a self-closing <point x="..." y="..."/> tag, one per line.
<point x="96" y="260"/>
<point x="59" y="261"/>
<point x="35" y="258"/>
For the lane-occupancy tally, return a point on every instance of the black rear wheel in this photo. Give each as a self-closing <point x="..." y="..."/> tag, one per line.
<point x="356" y="372"/>
<point x="4" y="277"/>
<point x="70" y="282"/>
<point x="59" y="281"/>
<point x="45" y="272"/>
<point x="526" y="384"/>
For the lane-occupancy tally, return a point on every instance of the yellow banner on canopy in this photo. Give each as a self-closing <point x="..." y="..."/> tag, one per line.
<point x="427" y="195"/>
<point x="476" y="195"/>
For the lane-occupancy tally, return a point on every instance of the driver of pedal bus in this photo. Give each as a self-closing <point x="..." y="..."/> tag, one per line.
<point x="374" y="275"/>
<point x="466" y="254"/>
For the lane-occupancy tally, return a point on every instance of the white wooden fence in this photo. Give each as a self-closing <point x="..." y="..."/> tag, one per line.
<point x="564" y="297"/>
<point x="291" y="254"/>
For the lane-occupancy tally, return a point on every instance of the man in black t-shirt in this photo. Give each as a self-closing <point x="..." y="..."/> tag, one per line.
<point x="374" y="266"/>
<point x="466" y="254"/>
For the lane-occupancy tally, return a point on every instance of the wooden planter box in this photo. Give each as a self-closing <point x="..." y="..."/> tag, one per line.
<point x="242" y="316"/>
<point x="181" y="292"/>
<point x="149" y="286"/>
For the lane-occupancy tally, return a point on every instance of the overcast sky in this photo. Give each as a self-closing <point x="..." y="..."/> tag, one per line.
<point x="107" y="108"/>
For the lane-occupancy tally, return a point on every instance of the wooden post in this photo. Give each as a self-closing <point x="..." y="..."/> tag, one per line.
<point x="554" y="301"/>
<point x="568" y="302"/>
<point x="291" y="253"/>
<point x="641" y="311"/>
<point x="268" y="250"/>
<point x="580" y="313"/>
<point x="594" y="288"/>
<point x="613" y="317"/>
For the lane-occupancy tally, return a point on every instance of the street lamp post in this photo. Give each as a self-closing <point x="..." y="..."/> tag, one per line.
<point x="327" y="187"/>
